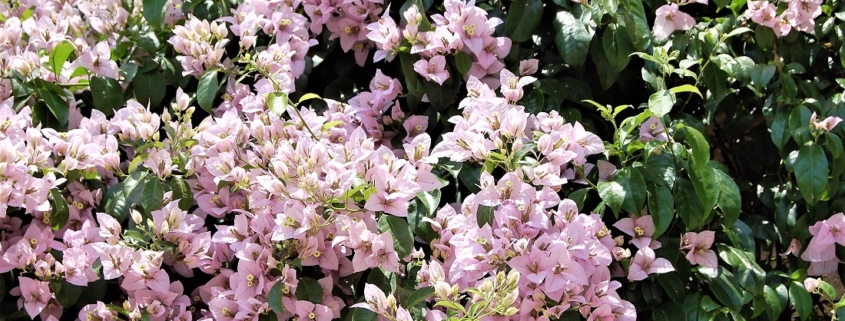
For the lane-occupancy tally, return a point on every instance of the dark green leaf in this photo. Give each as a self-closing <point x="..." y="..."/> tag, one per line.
<point x="463" y="62"/>
<point x="403" y="239"/>
<point x="60" y="213"/>
<point x="706" y="185"/>
<point x="811" y="172"/>
<point x="485" y="215"/>
<point x="360" y="314"/>
<point x="700" y="147"/>
<point x="689" y="207"/>
<point x="207" y="90"/>
<point x="672" y="311"/>
<point x="674" y="285"/>
<point x="627" y="191"/>
<point x="54" y="97"/>
<point x="522" y="19"/>
<point x="154" y="12"/>
<point x="418" y="296"/>
<point x="633" y="14"/>
<point x="661" y="205"/>
<point x="572" y="38"/>
<point x="149" y="88"/>
<point x="801" y="300"/>
<point x="182" y="192"/>
<point x="776" y="299"/>
<point x="107" y="95"/>
<point x="469" y="177"/>
<point x="309" y="290"/>
<point x="617" y="46"/>
<point x="274" y="298"/>
<point x="730" y="200"/>
<point x="152" y="195"/>
<point x="725" y="288"/>
<point x="66" y="293"/>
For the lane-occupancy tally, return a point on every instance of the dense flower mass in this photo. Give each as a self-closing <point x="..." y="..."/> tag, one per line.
<point x="171" y="160"/>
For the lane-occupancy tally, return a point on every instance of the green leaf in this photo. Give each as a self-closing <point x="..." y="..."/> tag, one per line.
<point x="361" y="314"/>
<point x="726" y="290"/>
<point x="522" y="19"/>
<point x="307" y="97"/>
<point x="661" y="205"/>
<point x="152" y="195"/>
<point x="182" y="192"/>
<point x="60" y="213"/>
<point x="572" y="38"/>
<point x="418" y="296"/>
<point x="689" y="206"/>
<point x="485" y="215"/>
<point x="834" y="145"/>
<point x="60" y="55"/>
<point x="716" y="80"/>
<point x="617" y="46"/>
<point x="107" y="94"/>
<point x="67" y="294"/>
<point x="277" y="102"/>
<point x="154" y="12"/>
<point x="706" y="186"/>
<point x="672" y="311"/>
<point x="274" y="298"/>
<point x="53" y="96"/>
<point x="469" y="176"/>
<point x="801" y="300"/>
<point x="674" y="286"/>
<point x="463" y="62"/>
<point x="627" y="191"/>
<point x="633" y="14"/>
<point x="207" y="90"/>
<point x="686" y="89"/>
<point x="737" y="31"/>
<point x="762" y="74"/>
<point x="309" y="290"/>
<point x="661" y="102"/>
<point x="811" y="172"/>
<point x="776" y="299"/>
<point x="700" y="147"/>
<point x="730" y="200"/>
<point x="149" y="88"/>
<point x="403" y="239"/>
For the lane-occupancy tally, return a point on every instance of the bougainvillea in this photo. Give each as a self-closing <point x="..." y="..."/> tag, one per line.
<point x="421" y="160"/>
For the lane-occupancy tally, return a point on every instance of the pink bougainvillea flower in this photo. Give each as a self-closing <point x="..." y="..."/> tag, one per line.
<point x="512" y="85"/>
<point x="668" y="19"/>
<point x="652" y="129"/>
<point x="35" y="295"/>
<point x="699" y="245"/>
<point x="528" y="67"/>
<point x="645" y="262"/>
<point x="827" y="124"/>
<point x="641" y="229"/>
<point x="433" y="69"/>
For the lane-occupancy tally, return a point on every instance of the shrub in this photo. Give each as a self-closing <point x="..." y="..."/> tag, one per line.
<point x="372" y="160"/>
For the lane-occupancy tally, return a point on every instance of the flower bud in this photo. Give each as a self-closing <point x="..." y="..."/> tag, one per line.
<point x="513" y="278"/>
<point x="487" y="286"/>
<point x="511" y="311"/>
<point x="136" y="217"/>
<point x="442" y="290"/>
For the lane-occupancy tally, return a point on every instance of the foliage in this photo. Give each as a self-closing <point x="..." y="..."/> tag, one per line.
<point x="366" y="160"/>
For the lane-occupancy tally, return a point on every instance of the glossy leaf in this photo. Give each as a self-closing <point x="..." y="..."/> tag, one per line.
<point x="730" y="199"/>
<point x="811" y="172"/>
<point x="107" y="94"/>
<point x="572" y="38"/>
<point x="523" y="18"/>
<point x="60" y="213"/>
<point x="309" y="290"/>
<point x="627" y="191"/>
<point x="207" y="90"/>
<point x="277" y="102"/>
<point x="661" y="102"/>
<point x="403" y="239"/>
<point x="153" y="194"/>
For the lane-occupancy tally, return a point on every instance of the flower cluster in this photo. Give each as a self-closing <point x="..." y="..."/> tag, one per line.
<point x="462" y="28"/>
<point x="821" y="251"/>
<point x="799" y="15"/>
